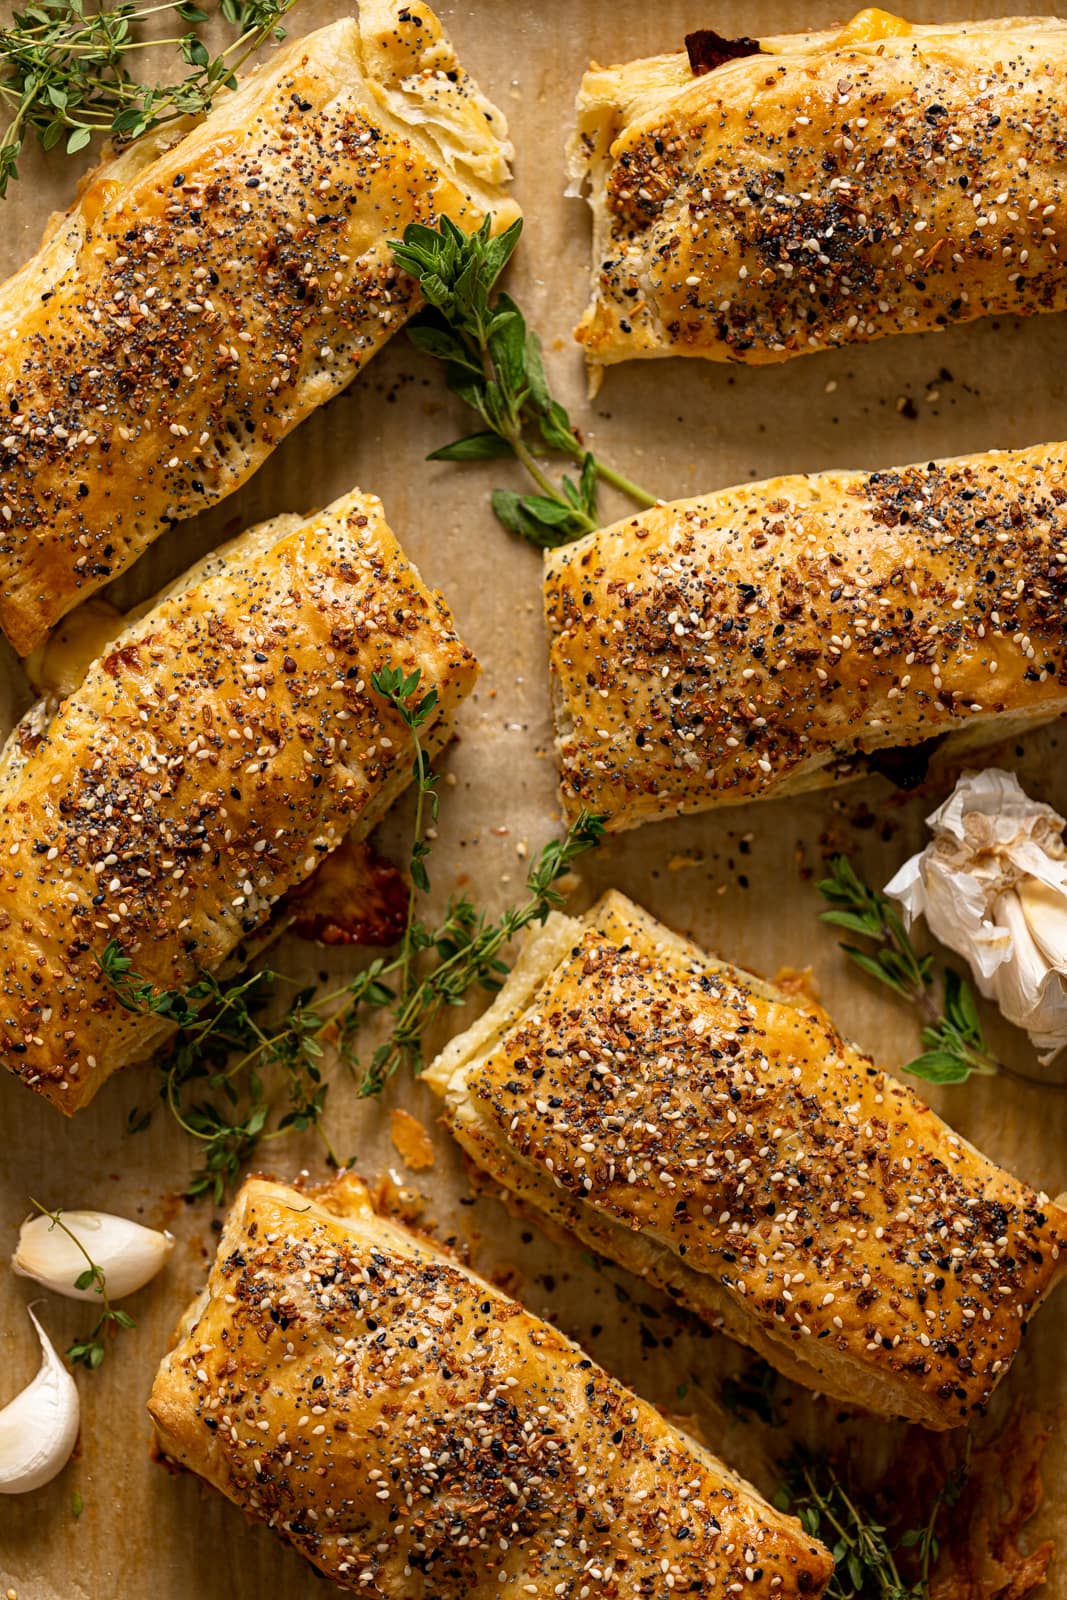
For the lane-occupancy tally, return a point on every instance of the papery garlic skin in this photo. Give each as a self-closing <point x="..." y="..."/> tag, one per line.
<point x="127" y="1253"/>
<point x="992" y="885"/>
<point x="39" y="1428"/>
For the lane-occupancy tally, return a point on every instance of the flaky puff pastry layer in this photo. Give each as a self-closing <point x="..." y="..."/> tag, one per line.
<point x="781" y="636"/>
<point x="883" y="177"/>
<point x="719" y="1137"/>
<point x="417" y="1434"/>
<point x="216" y="752"/>
<point x="211" y="289"/>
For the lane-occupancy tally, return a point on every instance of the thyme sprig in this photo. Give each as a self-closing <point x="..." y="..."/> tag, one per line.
<point x="65" y="69"/>
<point x="952" y="1033"/>
<point x="224" y="1049"/>
<point x="467" y="946"/>
<point x="223" y="1046"/>
<point x="868" y="1556"/>
<point x="493" y="362"/>
<point x="90" y="1351"/>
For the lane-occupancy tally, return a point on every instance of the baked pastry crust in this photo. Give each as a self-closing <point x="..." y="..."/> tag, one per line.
<point x="417" y="1434"/>
<point x="214" y="285"/>
<point x="220" y="748"/>
<point x="883" y="177"/>
<point x="781" y="636"/>
<point x="718" y="1136"/>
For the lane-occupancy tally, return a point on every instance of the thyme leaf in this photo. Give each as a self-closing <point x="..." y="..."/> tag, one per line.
<point x="871" y="1561"/>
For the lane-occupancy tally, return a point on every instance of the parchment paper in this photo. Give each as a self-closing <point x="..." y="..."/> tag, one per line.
<point x="740" y="881"/>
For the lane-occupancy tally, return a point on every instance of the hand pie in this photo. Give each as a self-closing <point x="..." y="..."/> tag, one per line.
<point x="414" y="1433"/>
<point x="718" y="1137"/>
<point x="823" y="189"/>
<point x="208" y="760"/>
<point x="786" y="635"/>
<point x="214" y="285"/>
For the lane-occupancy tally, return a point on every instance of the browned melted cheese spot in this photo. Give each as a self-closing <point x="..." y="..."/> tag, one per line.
<point x="354" y="897"/>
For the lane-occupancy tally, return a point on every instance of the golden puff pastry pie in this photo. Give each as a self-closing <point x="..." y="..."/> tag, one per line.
<point x="754" y="200"/>
<point x="209" y="290"/>
<point x="218" y="750"/>
<point x="719" y="1137"/>
<point x="416" y="1434"/>
<point x="781" y="636"/>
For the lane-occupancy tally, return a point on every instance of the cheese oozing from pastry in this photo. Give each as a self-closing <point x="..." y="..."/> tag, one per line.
<point x="222" y="746"/>
<point x="214" y="284"/>
<point x="884" y="177"/>
<point x="418" y="1435"/>
<point x="719" y="1137"/>
<point x="781" y="636"/>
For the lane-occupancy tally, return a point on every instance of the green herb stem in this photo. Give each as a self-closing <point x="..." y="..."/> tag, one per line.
<point x="867" y="1556"/>
<point x="63" y="70"/>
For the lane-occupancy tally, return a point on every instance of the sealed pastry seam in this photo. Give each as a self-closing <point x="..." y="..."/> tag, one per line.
<point x="719" y="1137"/>
<point x="879" y="178"/>
<point x="778" y="637"/>
<point x="413" y="1431"/>
<point x="219" y="748"/>
<point x="211" y="288"/>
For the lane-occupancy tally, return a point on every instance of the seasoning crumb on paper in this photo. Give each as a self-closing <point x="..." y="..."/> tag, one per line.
<point x="687" y="858"/>
<point x="411" y="1141"/>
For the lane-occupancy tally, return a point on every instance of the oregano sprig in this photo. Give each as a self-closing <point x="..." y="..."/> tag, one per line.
<point x="493" y="362"/>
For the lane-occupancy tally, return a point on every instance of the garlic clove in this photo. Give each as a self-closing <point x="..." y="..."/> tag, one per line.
<point x="39" y="1427"/>
<point x="1045" y="910"/>
<point x="128" y="1254"/>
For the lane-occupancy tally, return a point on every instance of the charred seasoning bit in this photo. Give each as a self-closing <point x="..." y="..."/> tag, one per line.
<point x="411" y="1430"/>
<point x="779" y="636"/>
<point x="212" y="309"/>
<point x="651" y="1094"/>
<point x="707" y="50"/>
<point x="826" y="192"/>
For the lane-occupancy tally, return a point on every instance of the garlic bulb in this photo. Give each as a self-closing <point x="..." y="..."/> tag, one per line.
<point x="992" y="885"/>
<point x="38" y="1428"/>
<point x="127" y="1253"/>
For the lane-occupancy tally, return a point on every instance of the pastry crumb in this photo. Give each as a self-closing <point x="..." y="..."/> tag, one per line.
<point x="411" y="1141"/>
<point x="797" y="980"/>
